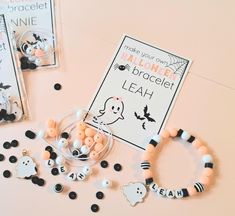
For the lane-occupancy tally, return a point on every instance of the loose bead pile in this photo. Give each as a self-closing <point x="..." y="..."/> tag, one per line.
<point x="198" y="187"/>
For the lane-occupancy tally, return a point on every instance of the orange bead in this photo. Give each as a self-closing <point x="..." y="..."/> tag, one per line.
<point x="205" y="180"/>
<point x="81" y="125"/>
<point x="191" y="190"/>
<point x="98" y="138"/>
<point x="80" y="135"/>
<point x="51" y="132"/>
<point x="165" y="134"/>
<point x="197" y="143"/>
<point x="90" y="132"/>
<point x="89" y="141"/>
<point x="46" y="155"/>
<point x="147" y="156"/>
<point x="51" y="123"/>
<point x="94" y="155"/>
<point x="98" y="147"/>
<point x="203" y="150"/>
<point x="207" y="172"/>
<point x="173" y="132"/>
<point x="147" y="174"/>
<point x="150" y="148"/>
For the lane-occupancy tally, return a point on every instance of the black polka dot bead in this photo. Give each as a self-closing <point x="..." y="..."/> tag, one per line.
<point x="41" y="182"/>
<point x="7" y="174"/>
<point x="30" y="134"/>
<point x="99" y="195"/>
<point x="53" y="155"/>
<point x="58" y="188"/>
<point x="64" y="135"/>
<point x="72" y="195"/>
<point x="57" y="86"/>
<point x="14" y="143"/>
<point x="6" y="145"/>
<point x="34" y="179"/>
<point x="2" y="157"/>
<point x="54" y="171"/>
<point x="12" y="159"/>
<point x="104" y="164"/>
<point x="117" y="167"/>
<point x="49" y="148"/>
<point x="95" y="208"/>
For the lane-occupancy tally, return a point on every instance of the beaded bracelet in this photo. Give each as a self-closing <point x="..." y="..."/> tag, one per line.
<point x="136" y="192"/>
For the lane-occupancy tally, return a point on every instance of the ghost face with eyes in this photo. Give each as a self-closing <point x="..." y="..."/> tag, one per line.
<point x="134" y="193"/>
<point x="112" y="111"/>
<point x="26" y="167"/>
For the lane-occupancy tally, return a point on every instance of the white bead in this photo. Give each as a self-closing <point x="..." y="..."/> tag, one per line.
<point x="207" y="158"/>
<point x="60" y="160"/>
<point x="76" y="144"/>
<point x="81" y="176"/>
<point x="72" y="176"/>
<point x="63" y="143"/>
<point x="153" y="187"/>
<point x="106" y="183"/>
<point x="41" y="134"/>
<point x="84" y="149"/>
<point x="185" y="135"/>
<point x="170" y="193"/>
<point x="161" y="191"/>
<point x="179" y="194"/>
<point x="63" y="169"/>
<point x="37" y="61"/>
<point x="157" y="138"/>
<point x="87" y="170"/>
<point x="50" y="163"/>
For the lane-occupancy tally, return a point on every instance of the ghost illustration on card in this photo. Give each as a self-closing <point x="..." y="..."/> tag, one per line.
<point x="111" y="112"/>
<point x="134" y="192"/>
<point x="26" y="167"/>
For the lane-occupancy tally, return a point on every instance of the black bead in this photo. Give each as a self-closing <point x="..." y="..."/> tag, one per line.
<point x="64" y="135"/>
<point x="153" y="142"/>
<point x="191" y="139"/>
<point x="72" y="195"/>
<point x="54" y="171"/>
<point x="185" y="192"/>
<point x="57" y="86"/>
<point x="7" y="174"/>
<point x="76" y="152"/>
<point x="32" y="66"/>
<point x="13" y="159"/>
<point x="179" y="133"/>
<point x="49" y="148"/>
<point x="121" y="67"/>
<point x="117" y="167"/>
<point x="6" y="145"/>
<point x="34" y="179"/>
<point x="53" y="155"/>
<point x="41" y="182"/>
<point x="14" y="143"/>
<point x="24" y="65"/>
<point x="2" y="157"/>
<point x="10" y="117"/>
<point x="148" y="181"/>
<point x="58" y="188"/>
<point x="209" y="165"/>
<point x="95" y="208"/>
<point x="99" y="195"/>
<point x="23" y="59"/>
<point x="104" y="164"/>
<point x="30" y="134"/>
<point x="83" y="157"/>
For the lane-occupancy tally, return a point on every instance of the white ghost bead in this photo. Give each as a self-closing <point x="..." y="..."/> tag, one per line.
<point x="26" y="167"/>
<point x="49" y="163"/>
<point x="72" y="176"/>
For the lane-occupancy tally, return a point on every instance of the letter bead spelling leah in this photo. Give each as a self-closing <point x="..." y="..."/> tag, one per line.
<point x="146" y="164"/>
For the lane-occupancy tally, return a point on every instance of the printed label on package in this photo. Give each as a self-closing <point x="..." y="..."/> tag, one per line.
<point x="138" y="91"/>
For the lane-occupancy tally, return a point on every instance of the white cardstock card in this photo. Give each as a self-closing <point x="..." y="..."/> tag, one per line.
<point x="38" y="15"/>
<point x="10" y="86"/>
<point x="138" y="91"/>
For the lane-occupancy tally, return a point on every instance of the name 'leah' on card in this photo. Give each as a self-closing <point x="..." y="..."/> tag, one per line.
<point x="138" y="90"/>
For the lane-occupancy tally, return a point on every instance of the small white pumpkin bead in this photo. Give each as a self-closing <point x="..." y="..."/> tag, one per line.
<point x="84" y="149"/>
<point x="185" y="135"/>
<point x="207" y="158"/>
<point x="106" y="183"/>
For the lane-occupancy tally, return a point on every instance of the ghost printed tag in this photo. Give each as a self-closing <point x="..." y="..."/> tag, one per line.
<point x="138" y="91"/>
<point x="26" y="167"/>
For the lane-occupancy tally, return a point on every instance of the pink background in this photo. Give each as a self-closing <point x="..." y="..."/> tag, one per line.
<point x="200" y="30"/>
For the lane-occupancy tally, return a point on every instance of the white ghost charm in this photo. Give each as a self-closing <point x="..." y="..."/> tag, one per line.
<point x="134" y="192"/>
<point x="26" y="167"/>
